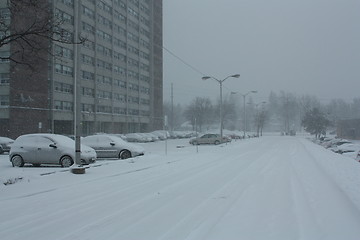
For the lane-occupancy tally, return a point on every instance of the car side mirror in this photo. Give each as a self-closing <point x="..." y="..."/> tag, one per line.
<point x="53" y="145"/>
<point x="112" y="144"/>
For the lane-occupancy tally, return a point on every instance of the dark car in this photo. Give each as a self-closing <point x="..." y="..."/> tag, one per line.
<point x="5" y="144"/>
<point x="209" y="139"/>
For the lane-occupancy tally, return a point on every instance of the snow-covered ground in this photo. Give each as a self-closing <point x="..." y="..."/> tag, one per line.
<point x="266" y="188"/>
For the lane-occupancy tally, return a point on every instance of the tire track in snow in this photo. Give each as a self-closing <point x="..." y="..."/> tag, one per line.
<point x="153" y="197"/>
<point x="77" y="204"/>
<point x="326" y="207"/>
<point x="219" y="203"/>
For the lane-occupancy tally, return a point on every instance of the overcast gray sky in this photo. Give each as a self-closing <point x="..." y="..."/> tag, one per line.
<point x="298" y="46"/>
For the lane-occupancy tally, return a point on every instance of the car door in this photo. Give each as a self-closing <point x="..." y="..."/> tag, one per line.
<point x="47" y="151"/>
<point x="102" y="146"/>
<point x="28" y="148"/>
<point x="110" y="147"/>
<point x="212" y="138"/>
<point x="204" y="139"/>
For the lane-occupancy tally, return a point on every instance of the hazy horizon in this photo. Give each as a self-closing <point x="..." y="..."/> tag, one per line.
<point x="308" y="47"/>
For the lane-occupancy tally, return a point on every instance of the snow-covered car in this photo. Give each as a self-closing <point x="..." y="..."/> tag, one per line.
<point x="153" y="137"/>
<point x="335" y="142"/>
<point x="209" y="139"/>
<point x="5" y="144"/>
<point x="335" y="146"/>
<point x="41" y="148"/>
<point x="161" y="134"/>
<point x="147" y="137"/>
<point x="346" y="148"/>
<point x="135" y="137"/>
<point x="109" y="146"/>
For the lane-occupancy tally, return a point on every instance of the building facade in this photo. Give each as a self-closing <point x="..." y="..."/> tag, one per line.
<point x="114" y="78"/>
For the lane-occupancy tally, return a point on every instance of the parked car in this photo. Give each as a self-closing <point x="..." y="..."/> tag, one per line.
<point x="109" y="146"/>
<point x="41" y="148"/>
<point x="335" y="142"/>
<point x="135" y="137"/>
<point x="5" y="144"/>
<point x="161" y="134"/>
<point x="209" y="139"/>
<point x="346" y="148"/>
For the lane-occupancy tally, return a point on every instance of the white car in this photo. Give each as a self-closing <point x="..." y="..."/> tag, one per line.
<point x="161" y="134"/>
<point x="135" y="137"/>
<point x="41" y="148"/>
<point x="109" y="146"/>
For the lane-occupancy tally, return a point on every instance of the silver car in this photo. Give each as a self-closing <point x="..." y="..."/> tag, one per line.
<point x="109" y="146"/>
<point x="40" y="149"/>
<point x="5" y="144"/>
<point x="208" y="139"/>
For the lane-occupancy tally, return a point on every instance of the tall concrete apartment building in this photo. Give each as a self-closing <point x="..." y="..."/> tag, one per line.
<point x="117" y="73"/>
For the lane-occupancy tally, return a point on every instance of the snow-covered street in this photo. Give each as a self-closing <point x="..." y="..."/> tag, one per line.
<point x="266" y="188"/>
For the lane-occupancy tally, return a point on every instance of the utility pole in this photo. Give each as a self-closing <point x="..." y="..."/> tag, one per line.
<point x="77" y="167"/>
<point x="172" y="107"/>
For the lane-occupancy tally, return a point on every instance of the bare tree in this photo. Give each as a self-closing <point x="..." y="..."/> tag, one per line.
<point x="175" y="117"/>
<point x="199" y="111"/>
<point x="289" y="110"/>
<point x="29" y="27"/>
<point x="260" y="120"/>
<point x="228" y="112"/>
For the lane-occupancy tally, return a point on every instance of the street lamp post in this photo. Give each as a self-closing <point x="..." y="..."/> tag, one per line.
<point x="220" y="82"/>
<point x="244" y="99"/>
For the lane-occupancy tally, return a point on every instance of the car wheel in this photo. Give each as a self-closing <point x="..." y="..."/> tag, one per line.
<point x="124" y="154"/>
<point x="66" y="161"/>
<point x="217" y="142"/>
<point x="17" y="161"/>
<point x="1" y="150"/>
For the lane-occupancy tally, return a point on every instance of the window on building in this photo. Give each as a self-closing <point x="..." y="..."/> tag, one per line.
<point x="87" y="108"/>
<point x="64" y="52"/>
<point x="120" y="3"/>
<point x="89" y="44"/>
<point x="87" y="75"/>
<point x="4" y="100"/>
<point x="88" y="28"/>
<point x="119" y="70"/>
<point x="5" y="13"/>
<point x="62" y="69"/>
<point x="65" y="17"/>
<point x="103" y="79"/>
<point x="102" y="5"/>
<point x="104" y="94"/>
<point x="69" y="3"/>
<point x="88" y="92"/>
<point x="63" y="87"/>
<point x="104" y="109"/>
<point x="63" y="105"/>
<point x="120" y="83"/>
<point x="4" y="56"/>
<point x="4" y="78"/>
<point x="87" y="59"/>
<point x="119" y="17"/>
<point x="88" y="12"/>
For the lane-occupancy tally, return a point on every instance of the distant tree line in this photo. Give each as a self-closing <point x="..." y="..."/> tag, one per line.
<point x="282" y="111"/>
